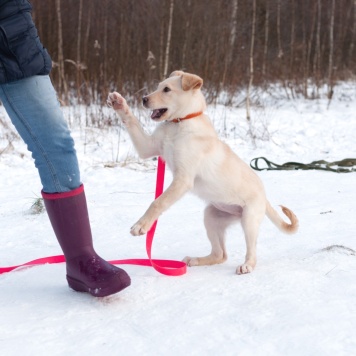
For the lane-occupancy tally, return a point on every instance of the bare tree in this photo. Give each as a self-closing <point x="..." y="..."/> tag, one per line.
<point x="248" y="95"/>
<point x="331" y="50"/>
<point x="232" y="39"/>
<point x="280" y="50"/>
<point x="317" y="54"/>
<point x="353" y="35"/>
<point x="87" y="34"/>
<point x="62" y="81"/>
<point x="161" y="51"/>
<point x="187" y="31"/>
<point x="309" y="50"/>
<point x="79" y="30"/>
<point x="169" y="35"/>
<point x="105" y="49"/>
<point x="292" y="38"/>
<point x="79" y="39"/>
<point x="265" y="47"/>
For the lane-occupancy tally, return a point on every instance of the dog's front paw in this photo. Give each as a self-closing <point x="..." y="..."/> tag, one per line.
<point x="243" y="269"/>
<point x="117" y="102"/>
<point x="140" y="228"/>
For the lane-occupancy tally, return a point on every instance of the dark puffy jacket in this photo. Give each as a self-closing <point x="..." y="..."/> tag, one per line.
<point x="22" y="54"/>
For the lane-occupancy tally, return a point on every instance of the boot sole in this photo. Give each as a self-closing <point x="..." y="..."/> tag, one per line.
<point x="79" y="286"/>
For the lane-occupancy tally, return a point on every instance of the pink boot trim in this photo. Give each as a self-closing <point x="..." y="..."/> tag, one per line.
<point x="54" y="196"/>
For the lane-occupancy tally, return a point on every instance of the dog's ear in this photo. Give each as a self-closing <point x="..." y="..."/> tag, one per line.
<point x="176" y="72"/>
<point x="191" y="81"/>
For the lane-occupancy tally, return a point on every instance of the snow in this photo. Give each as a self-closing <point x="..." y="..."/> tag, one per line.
<point x="300" y="300"/>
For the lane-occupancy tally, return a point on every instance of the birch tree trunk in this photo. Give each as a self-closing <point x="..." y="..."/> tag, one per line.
<point x="232" y="39"/>
<point x="309" y="50"/>
<point x="280" y="50"/>
<point x="248" y="96"/>
<point x="87" y="35"/>
<point x="316" y="64"/>
<point x="265" y="47"/>
<point x="161" y="51"/>
<point x="61" y="82"/>
<point x="292" y="39"/>
<point x="166" y="60"/>
<point x="233" y="29"/>
<point x="331" y="50"/>
<point x="187" y="30"/>
<point x="105" y="49"/>
<point x="79" y="38"/>
<point x="353" y="38"/>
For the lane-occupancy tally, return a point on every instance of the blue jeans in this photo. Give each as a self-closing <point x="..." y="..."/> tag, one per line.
<point x="33" y="108"/>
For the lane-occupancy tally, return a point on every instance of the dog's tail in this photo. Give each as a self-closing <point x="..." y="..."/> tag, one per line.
<point x="279" y="222"/>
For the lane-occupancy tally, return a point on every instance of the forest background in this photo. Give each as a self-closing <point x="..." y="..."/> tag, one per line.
<point x="129" y="46"/>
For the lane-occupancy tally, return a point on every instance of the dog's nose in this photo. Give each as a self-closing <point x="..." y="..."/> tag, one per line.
<point x="144" y="100"/>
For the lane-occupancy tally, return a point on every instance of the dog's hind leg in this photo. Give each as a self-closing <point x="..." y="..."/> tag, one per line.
<point x="216" y="222"/>
<point x="251" y="221"/>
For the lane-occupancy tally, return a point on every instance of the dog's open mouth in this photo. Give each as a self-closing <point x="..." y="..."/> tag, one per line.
<point x="156" y="114"/>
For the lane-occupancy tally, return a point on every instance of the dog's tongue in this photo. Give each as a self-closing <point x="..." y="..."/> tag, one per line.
<point x="156" y="114"/>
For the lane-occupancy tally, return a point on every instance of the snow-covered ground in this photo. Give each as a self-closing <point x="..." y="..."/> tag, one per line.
<point x="300" y="300"/>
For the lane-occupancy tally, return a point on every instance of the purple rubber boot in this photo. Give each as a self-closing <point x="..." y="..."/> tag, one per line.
<point x="86" y="271"/>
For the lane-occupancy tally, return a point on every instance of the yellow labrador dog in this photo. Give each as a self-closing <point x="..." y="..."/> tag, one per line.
<point x="200" y="163"/>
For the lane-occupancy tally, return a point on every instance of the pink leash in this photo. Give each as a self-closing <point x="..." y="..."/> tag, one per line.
<point x="167" y="267"/>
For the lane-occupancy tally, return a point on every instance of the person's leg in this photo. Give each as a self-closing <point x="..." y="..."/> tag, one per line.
<point x="34" y="110"/>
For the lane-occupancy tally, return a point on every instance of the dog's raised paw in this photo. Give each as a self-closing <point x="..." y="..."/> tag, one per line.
<point x="191" y="261"/>
<point x="243" y="269"/>
<point x="117" y="102"/>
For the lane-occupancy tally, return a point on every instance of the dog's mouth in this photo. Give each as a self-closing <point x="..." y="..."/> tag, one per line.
<point x="157" y="113"/>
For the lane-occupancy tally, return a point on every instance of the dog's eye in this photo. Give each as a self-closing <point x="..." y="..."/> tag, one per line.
<point x="166" y="89"/>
